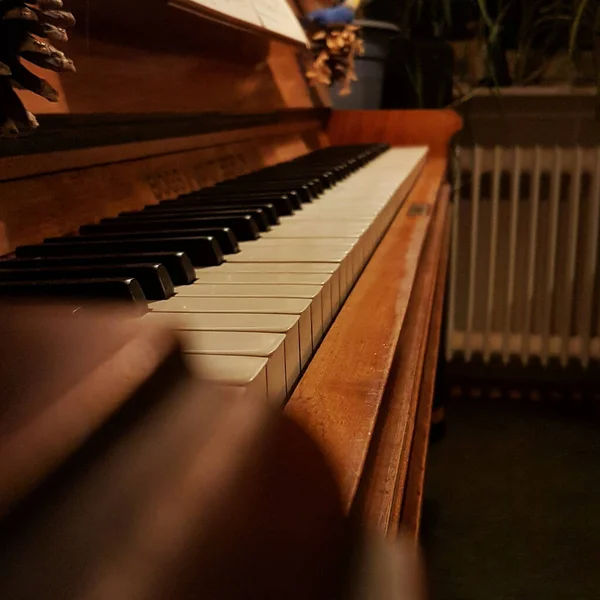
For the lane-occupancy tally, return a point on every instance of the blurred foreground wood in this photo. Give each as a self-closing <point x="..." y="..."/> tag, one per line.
<point x="132" y="480"/>
<point x="123" y="477"/>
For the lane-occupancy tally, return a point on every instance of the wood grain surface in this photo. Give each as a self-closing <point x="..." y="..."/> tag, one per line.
<point x="269" y="137"/>
<point x="123" y="71"/>
<point x="56" y="203"/>
<point x="56" y="395"/>
<point x="340" y="395"/>
<point x="433" y="128"/>
<point x="413" y="496"/>
<point x="383" y="482"/>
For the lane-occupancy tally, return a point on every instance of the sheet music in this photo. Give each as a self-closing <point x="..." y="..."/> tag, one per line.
<point x="243" y="10"/>
<point x="277" y="16"/>
<point x="272" y="15"/>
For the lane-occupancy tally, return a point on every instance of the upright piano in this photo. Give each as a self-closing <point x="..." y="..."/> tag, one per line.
<point x="189" y="180"/>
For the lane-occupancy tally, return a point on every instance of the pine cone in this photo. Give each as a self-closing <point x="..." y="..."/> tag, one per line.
<point x="23" y="27"/>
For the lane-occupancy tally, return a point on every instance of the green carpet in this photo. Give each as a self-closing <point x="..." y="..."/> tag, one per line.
<point x="512" y="505"/>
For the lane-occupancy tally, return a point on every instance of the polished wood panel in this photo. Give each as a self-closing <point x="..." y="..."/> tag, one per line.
<point x="46" y="417"/>
<point x="275" y="140"/>
<point x="197" y="67"/>
<point x="382" y="487"/>
<point x="339" y="397"/>
<point x="410" y="518"/>
<point x="135" y="480"/>
<point x="115" y="78"/>
<point x="433" y="128"/>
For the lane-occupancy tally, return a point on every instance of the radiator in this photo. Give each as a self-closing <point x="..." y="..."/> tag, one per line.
<point x="524" y="278"/>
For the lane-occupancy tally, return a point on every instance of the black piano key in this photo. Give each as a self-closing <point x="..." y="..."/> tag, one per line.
<point x="313" y="184"/>
<point x="153" y="278"/>
<point x="200" y="207"/>
<point x="124" y="289"/>
<point x="178" y="265"/>
<point x="295" y="198"/>
<point x="202" y="251"/>
<point x="285" y="204"/>
<point x="243" y="228"/>
<point x="127" y="229"/>
<point x="257" y="214"/>
<point x="227" y="241"/>
<point x="329" y="179"/>
<point x="303" y="192"/>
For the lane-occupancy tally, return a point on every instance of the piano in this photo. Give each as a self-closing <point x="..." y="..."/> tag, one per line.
<point x="191" y="181"/>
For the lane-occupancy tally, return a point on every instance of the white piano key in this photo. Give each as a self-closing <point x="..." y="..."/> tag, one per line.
<point x="320" y="306"/>
<point x="334" y="243"/>
<point x="339" y="256"/>
<point x="318" y="229"/>
<point x="266" y="306"/>
<point x="322" y="279"/>
<point x="217" y="276"/>
<point x="326" y="233"/>
<point x="288" y="325"/>
<point x="236" y="343"/>
<point x="331" y="218"/>
<point x="294" y="253"/>
<point x="248" y="372"/>
<point x="320" y="310"/>
<point x="265" y="268"/>
<point x="356" y="247"/>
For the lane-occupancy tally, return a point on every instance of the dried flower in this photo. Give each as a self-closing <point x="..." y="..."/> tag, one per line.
<point x="334" y="50"/>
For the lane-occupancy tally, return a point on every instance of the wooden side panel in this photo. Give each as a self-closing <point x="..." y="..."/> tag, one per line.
<point x="384" y="481"/>
<point x="339" y="398"/>
<point x="433" y="128"/>
<point x="413" y="495"/>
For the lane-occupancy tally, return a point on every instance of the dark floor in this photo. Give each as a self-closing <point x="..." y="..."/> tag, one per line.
<point x="512" y="505"/>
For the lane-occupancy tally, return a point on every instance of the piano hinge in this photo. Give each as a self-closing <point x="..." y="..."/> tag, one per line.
<point x="419" y="210"/>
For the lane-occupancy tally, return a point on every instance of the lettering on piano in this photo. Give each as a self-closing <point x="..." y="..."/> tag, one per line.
<point x="233" y="165"/>
<point x="228" y="166"/>
<point x="169" y="184"/>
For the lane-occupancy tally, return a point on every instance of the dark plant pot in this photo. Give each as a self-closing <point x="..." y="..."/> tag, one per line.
<point x="418" y="74"/>
<point x="378" y="38"/>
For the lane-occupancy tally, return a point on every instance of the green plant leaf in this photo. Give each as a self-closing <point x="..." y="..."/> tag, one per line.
<point x="575" y="27"/>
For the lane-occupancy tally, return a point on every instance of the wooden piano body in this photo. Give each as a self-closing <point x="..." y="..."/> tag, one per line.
<point x="148" y="118"/>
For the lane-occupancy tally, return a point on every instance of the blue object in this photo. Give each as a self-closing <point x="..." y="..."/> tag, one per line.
<point x="329" y="16"/>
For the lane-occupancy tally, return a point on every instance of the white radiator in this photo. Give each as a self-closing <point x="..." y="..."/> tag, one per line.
<point x="525" y="277"/>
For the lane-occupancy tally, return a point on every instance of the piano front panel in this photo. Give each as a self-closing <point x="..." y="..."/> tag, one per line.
<point x="52" y="195"/>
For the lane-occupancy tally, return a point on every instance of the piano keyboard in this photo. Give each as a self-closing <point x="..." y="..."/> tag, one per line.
<point x="252" y="271"/>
